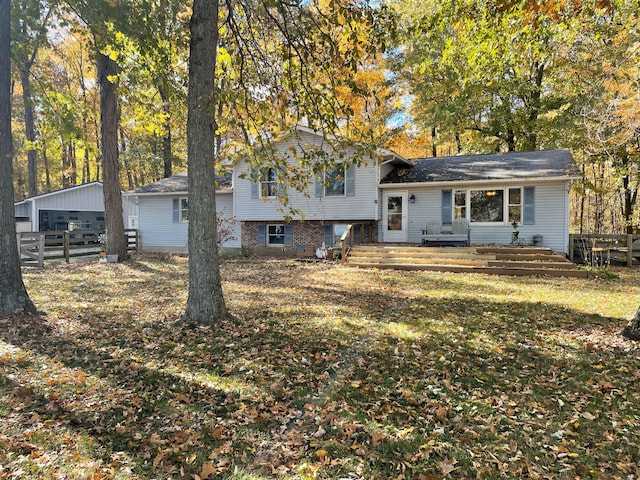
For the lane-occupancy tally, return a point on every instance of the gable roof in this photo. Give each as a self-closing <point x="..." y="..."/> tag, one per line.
<point x="384" y="155"/>
<point x="542" y="164"/>
<point x="179" y="183"/>
<point x="58" y="192"/>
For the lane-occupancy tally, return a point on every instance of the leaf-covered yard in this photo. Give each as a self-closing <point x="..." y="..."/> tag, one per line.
<point x="325" y="372"/>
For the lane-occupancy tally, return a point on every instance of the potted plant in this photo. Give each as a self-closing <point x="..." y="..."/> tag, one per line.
<point x="515" y="235"/>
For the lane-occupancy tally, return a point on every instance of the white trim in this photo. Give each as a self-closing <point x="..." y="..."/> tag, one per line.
<point x="505" y="204"/>
<point x="455" y="183"/>
<point x="58" y="192"/>
<point x="395" y="235"/>
<point x="180" y="209"/>
<point x="182" y="193"/>
<point x="266" y="232"/>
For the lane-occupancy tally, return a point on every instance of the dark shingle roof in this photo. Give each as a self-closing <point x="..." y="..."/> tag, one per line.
<point x="179" y="184"/>
<point x="498" y="166"/>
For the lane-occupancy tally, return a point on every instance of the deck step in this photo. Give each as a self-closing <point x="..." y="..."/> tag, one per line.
<point x="518" y="261"/>
<point x="551" y="272"/>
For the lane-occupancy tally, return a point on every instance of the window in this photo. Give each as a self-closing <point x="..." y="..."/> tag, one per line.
<point x="334" y="181"/>
<point x="487" y="206"/>
<point x="184" y="210"/>
<point x="268" y="183"/>
<point x="502" y="205"/>
<point x="460" y="204"/>
<point x="275" y="234"/>
<point x="515" y="205"/>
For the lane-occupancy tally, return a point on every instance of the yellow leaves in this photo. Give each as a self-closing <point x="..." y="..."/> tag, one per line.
<point x="321" y="454"/>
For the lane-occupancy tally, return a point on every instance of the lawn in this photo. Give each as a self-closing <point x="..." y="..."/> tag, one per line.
<point x="324" y="372"/>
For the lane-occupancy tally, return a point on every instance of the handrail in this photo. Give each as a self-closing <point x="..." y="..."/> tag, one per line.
<point x="343" y="242"/>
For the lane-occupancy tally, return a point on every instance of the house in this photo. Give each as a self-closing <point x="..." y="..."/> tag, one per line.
<point x="163" y="214"/>
<point x="491" y="191"/>
<point x="386" y="197"/>
<point x="73" y="208"/>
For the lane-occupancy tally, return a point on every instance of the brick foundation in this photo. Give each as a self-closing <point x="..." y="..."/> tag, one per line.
<point x="304" y="234"/>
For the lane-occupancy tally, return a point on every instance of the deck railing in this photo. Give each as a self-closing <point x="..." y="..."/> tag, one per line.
<point x="602" y="248"/>
<point x="36" y="247"/>
<point x="346" y="241"/>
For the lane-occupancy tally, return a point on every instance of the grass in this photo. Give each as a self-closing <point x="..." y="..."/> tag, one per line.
<point x="324" y="372"/>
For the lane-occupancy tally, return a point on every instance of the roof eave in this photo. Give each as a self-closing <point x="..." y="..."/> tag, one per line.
<point x="174" y="193"/>
<point x="483" y="182"/>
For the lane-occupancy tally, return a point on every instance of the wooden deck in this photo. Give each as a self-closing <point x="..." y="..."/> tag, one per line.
<point x="518" y="261"/>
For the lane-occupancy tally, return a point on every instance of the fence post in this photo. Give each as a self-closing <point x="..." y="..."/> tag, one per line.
<point x="66" y="242"/>
<point x="41" y="250"/>
<point x="571" y="246"/>
<point x="629" y="250"/>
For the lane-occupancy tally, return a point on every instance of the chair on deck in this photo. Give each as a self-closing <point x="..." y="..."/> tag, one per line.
<point x="460" y="233"/>
<point x="460" y="226"/>
<point x="433" y="227"/>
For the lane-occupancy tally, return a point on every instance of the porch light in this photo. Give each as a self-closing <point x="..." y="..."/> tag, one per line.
<point x="412" y="198"/>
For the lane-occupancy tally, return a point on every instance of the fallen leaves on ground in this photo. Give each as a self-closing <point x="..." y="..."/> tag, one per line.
<point x="323" y="372"/>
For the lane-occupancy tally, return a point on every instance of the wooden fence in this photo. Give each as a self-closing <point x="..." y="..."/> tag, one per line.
<point x="36" y="247"/>
<point x="600" y="249"/>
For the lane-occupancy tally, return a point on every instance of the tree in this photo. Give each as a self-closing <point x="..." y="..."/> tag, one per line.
<point x="30" y="33"/>
<point x="603" y="65"/>
<point x="632" y="330"/>
<point x="205" y="303"/>
<point x="13" y="294"/>
<point x="99" y="16"/>
<point x="485" y="74"/>
<point x="279" y="64"/>
<point x="109" y="122"/>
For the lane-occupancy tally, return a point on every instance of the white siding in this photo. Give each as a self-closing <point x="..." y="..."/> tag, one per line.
<point x="551" y="210"/>
<point x="87" y="198"/>
<point x="129" y="209"/>
<point x="158" y="232"/>
<point x="224" y="207"/>
<point x="156" y="229"/>
<point x="83" y="198"/>
<point x="23" y="210"/>
<point x="361" y="206"/>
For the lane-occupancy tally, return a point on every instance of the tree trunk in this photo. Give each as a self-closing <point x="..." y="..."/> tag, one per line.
<point x="116" y="241"/>
<point x="127" y="166"/>
<point x="73" y="163"/>
<point x="45" y="161"/>
<point x="632" y="330"/>
<point x="64" y="154"/>
<point x="628" y="191"/>
<point x="29" y="130"/>
<point x="531" y="137"/>
<point x="167" y="156"/>
<point x="434" y="149"/>
<point x="13" y="294"/>
<point x="205" y="303"/>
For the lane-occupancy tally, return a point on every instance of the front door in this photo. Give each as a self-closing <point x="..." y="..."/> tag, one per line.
<point x="394" y="221"/>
